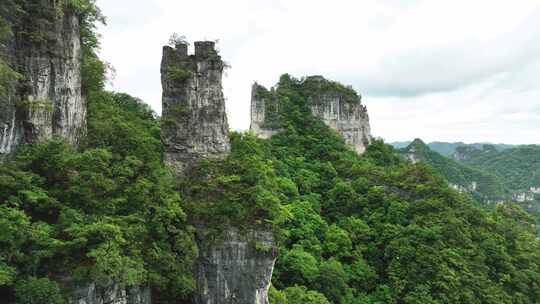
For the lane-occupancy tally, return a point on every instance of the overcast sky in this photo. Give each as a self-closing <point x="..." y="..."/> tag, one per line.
<point x="439" y="70"/>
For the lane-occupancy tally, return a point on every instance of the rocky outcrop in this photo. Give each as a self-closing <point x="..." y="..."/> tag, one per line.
<point x="334" y="105"/>
<point x="237" y="269"/>
<point x="526" y="196"/>
<point x="472" y="187"/>
<point x="47" y="100"/>
<point x="194" y="121"/>
<point x="92" y="294"/>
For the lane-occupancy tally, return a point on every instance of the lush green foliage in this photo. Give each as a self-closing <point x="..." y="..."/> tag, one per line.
<point x="352" y="230"/>
<point x="242" y="190"/>
<point x="107" y="214"/>
<point x="296" y="295"/>
<point x="312" y="88"/>
<point x="485" y="187"/>
<point x="377" y="229"/>
<point x="33" y="20"/>
<point x="36" y="291"/>
<point x="491" y="173"/>
<point x="518" y="167"/>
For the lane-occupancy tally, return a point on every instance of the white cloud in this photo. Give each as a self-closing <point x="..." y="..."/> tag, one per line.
<point x="440" y="70"/>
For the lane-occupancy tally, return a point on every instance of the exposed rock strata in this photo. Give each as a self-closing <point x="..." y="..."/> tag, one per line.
<point x="237" y="269"/>
<point x="349" y="118"/>
<point x="113" y="295"/>
<point x="194" y="118"/>
<point x="48" y="100"/>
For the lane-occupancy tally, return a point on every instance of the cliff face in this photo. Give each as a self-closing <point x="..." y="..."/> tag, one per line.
<point x="194" y="118"/>
<point x="335" y="107"/>
<point x="194" y="126"/>
<point x="236" y="270"/>
<point x="114" y="295"/>
<point x="48" y="100"/>
<point x="351" y="120"/>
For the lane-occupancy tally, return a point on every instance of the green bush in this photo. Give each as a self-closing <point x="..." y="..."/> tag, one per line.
<point x="38" y="291"/>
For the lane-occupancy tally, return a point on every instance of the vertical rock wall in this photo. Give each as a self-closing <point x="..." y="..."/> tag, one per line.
<point x="350" y="119"/>
<point x="194" y="121"/>
<point x="91" y="294"/>
<point x="260" y="125"/>
<point x="237" y="269"/>
<point x="48" y="99"/>
<point x="194" y="126"/>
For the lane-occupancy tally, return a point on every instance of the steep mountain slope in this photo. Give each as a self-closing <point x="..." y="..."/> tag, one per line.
<point x="375" y="229"/>
<point x="518" y="169"/>
<point x="483" y="186"/>
<point x="490" y="175"/>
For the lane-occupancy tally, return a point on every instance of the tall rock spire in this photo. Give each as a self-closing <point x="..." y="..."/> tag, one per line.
<point x="194" y="126"/>
<point x="194" y="121"/>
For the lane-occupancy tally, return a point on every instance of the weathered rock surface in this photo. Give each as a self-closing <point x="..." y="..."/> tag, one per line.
<point x="236" y="270"/>
<point x="48" y="100"/>
<point x="92" y="294"/>
<point x="349" y="118"/>
<point x="194" y="119"/>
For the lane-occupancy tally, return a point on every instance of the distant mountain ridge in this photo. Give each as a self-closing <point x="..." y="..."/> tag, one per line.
<point x="490" y="173"/>
<point x="449" y="148"/>
<point x="483" y="186"/>
<point x="519" y="166"/>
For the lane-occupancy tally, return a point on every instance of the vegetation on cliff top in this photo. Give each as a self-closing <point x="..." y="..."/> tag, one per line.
<point x="353" y="230"/>
<point x="312" y="89"/>
<point x="378" y="229"/>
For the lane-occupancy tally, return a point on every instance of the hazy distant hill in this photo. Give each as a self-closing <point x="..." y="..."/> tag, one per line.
<point x="483" y="186"/>
<point x="491" y="173"/>
<point x="447" y="148"/>
<point x="518" y="167"/>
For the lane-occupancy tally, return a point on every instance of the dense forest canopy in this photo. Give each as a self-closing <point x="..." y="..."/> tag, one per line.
<point x="352" y="229"/>
<point x="519" y="167"/>
<point x="375" y="228"/>
<point x="491" y="174"/>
